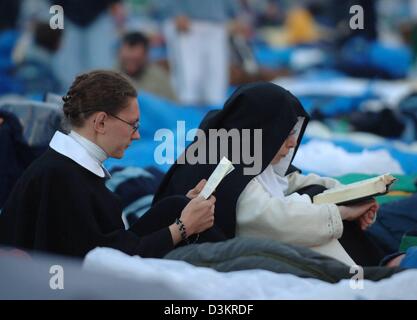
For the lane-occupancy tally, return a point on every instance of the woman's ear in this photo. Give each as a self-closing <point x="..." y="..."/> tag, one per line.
<point x="99" y="122"/>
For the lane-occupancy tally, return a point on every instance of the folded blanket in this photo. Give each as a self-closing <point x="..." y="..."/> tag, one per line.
<point x="252" y="253"/>
<point x="191" y="282"/>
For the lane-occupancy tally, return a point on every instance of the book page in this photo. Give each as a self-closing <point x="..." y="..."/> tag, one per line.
<point x="223" y="169"/>
<point x="386" y="179"/>
<point x="369" y="187"/>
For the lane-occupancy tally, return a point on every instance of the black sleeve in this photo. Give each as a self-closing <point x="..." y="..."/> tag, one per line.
<point x="156" y="244"/>
<point x="76" y="226"/>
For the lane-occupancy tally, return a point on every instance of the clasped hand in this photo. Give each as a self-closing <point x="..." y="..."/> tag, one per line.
<point x="364" y="213"/>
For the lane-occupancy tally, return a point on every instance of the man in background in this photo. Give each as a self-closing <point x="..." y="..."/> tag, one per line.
<point x="196" y="33"/>
<point x="146" y="76"/>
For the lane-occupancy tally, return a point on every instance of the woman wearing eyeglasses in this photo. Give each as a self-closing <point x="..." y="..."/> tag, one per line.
<point x="61" y="204"/>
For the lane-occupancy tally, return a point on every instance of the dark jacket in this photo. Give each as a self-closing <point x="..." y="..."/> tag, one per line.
<point x="15" y="154"/>
<point x="60" y="207"/>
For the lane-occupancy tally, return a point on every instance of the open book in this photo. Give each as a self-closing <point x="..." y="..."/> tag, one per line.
<point x="357" y="191"/>
<point x="223" y="169"/>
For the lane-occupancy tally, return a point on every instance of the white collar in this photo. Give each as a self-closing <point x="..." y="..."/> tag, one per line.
<point x="81" y="153"/>
<point x="273" y="183"/>
<point x="94" y="150"/>
<point x="273" y="178"/>
<point x="282" y="166"/>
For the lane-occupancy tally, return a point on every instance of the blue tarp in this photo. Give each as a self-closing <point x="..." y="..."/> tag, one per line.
<point x="157" y="113"/>
<point x="8" y="41"/>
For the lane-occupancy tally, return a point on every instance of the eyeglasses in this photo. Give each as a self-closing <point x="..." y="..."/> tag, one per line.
<point x="135" y="126"/>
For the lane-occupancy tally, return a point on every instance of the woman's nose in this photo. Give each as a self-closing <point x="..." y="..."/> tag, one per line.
<point x="136" y="135"/>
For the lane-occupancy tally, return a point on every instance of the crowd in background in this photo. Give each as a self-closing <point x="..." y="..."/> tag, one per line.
<point x="192" y="52"/>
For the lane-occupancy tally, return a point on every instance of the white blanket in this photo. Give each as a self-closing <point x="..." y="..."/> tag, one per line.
<point x="325" y="158"/>
<point x="204" y="283"/>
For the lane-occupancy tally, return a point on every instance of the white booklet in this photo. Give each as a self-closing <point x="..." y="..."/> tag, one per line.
<point x="223" y="169"/>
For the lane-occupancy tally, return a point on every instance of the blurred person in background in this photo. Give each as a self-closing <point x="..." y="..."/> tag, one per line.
<point x="91" y="31"/>
<point x="35" y="71"/>
<point x="271" y="14"/>
<point x="196" y="33"/>
<point x="146" y="76"/>
<point x="244" y="64"/>
<point x="9" y="34"/>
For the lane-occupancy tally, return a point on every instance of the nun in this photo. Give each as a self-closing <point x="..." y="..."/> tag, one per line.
<point x="276" y="202"/>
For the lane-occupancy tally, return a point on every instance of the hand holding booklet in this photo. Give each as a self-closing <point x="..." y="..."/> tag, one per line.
<point x="222" y="170"/>
<point x="356" y="192"/>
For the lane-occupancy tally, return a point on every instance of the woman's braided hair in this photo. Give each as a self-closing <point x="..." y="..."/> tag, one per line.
<point x="94" y="91"/>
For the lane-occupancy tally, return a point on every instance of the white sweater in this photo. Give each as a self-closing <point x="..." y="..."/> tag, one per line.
<point x="294" y="219"/>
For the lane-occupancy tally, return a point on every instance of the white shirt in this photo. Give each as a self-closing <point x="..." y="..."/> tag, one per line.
<point x="292" y="220"/>
<point x="81" y="150"/>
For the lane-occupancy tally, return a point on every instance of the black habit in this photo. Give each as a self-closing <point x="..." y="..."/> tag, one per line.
<point x="261" y="105"/>
<point x="275" y="110"/>
<point x="60" y="207"/>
